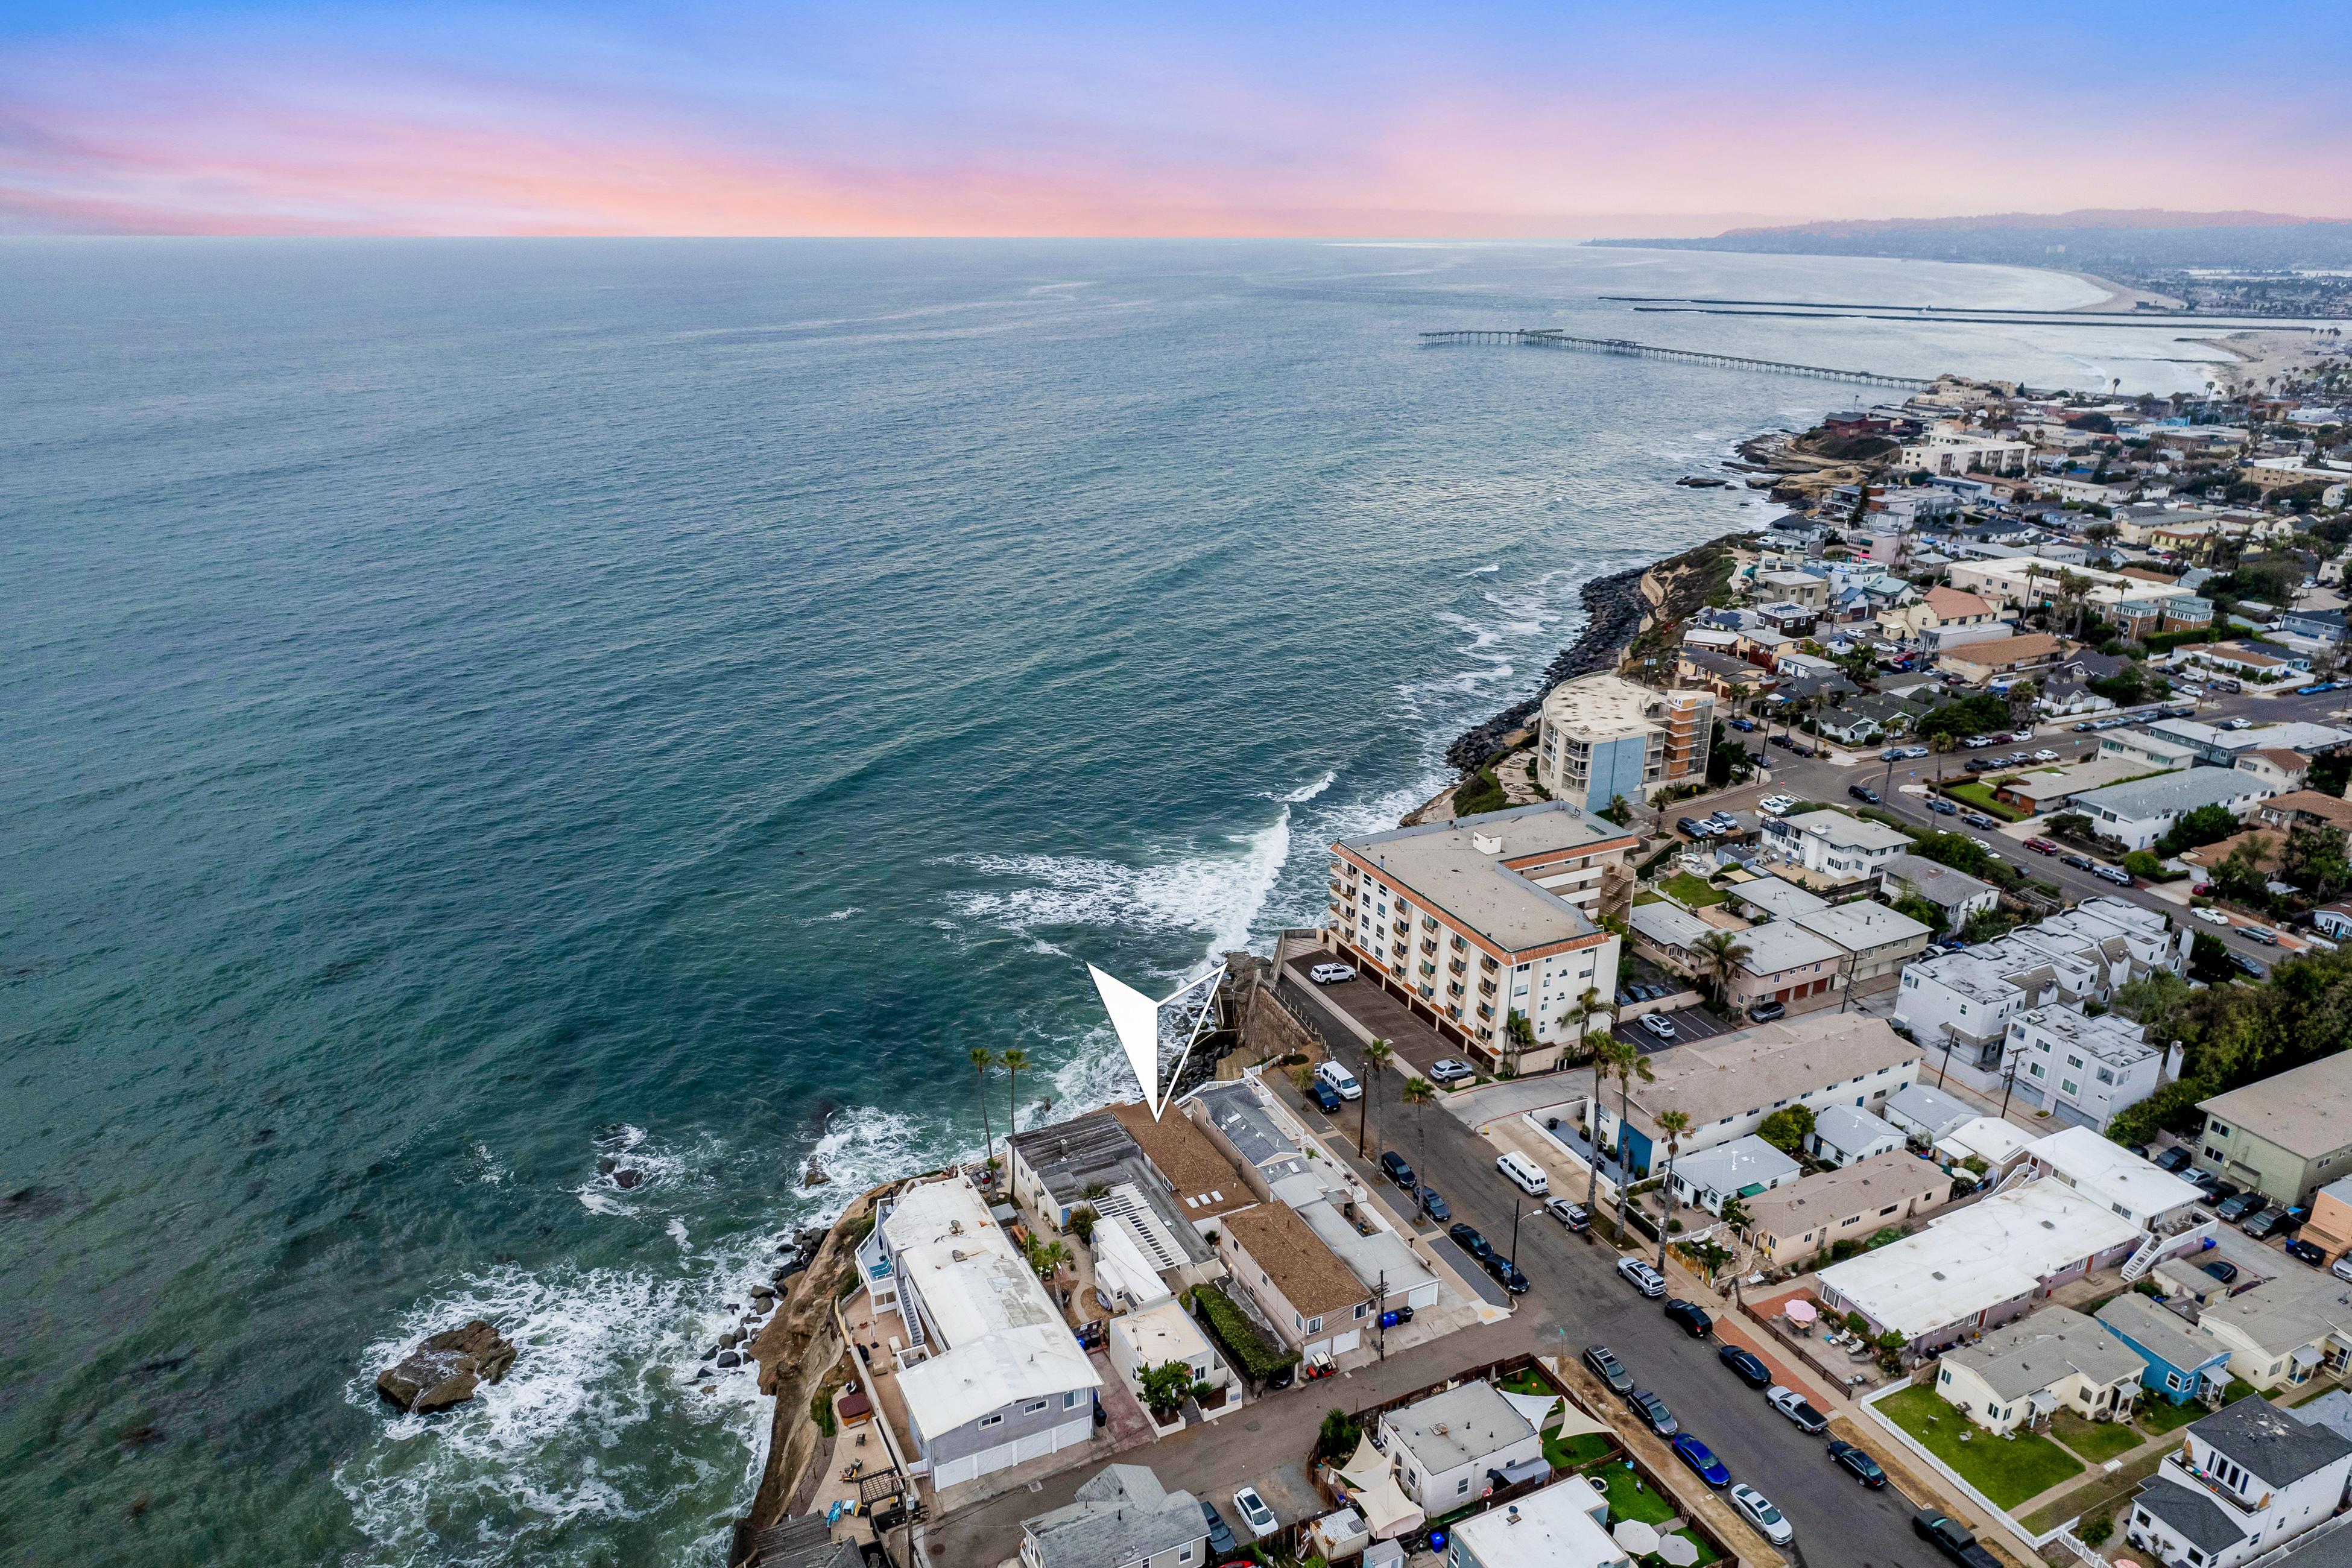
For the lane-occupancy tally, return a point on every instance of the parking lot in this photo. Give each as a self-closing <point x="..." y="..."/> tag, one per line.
<point x="1690" y="1024"/>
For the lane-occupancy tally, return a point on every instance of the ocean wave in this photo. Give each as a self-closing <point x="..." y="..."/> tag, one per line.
<point x="1218" y="894"/>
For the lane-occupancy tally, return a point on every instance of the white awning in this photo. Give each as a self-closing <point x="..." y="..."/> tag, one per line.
<point x="2308" y="1356"/>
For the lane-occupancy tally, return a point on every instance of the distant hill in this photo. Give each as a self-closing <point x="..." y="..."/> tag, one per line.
<point x="2140" y="240"/>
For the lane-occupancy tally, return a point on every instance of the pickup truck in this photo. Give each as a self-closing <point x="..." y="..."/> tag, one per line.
<point x="1952" y="1539"/>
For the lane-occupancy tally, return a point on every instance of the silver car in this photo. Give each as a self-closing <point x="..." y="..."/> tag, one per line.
<point x="1757" y="1510"/>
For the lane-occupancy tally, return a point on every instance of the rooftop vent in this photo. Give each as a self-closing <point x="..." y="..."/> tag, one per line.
<point x="1485" y="843"/>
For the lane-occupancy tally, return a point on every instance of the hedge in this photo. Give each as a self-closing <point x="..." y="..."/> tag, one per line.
<point x="1239" y="1337"/>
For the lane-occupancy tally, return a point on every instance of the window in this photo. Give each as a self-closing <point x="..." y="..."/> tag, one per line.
<point x="1070" y="1400"/>
<point x="1034" y="1407"/>
<point x="2217" y="1129"/>
<point x="1314" y="1325"/>
<point x="995" y="1420"/>
<point x="2034" y="1069"/>
<point x="1184" y="1554"/>
<point x="1359" y="1309"/>
<point x="2074" y="1061"/>
<point x="1462" y="1486"/>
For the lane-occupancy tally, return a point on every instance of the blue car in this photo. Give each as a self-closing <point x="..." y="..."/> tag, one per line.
<point x="1325" y="1095"/>
<point x="1702" y="1460"/>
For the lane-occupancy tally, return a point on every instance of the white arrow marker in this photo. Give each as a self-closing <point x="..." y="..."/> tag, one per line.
<point x="1136" y="1018"/>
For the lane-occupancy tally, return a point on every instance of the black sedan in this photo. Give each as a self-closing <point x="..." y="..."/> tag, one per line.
<point x="1434" y="1206"/>
<point x="1862" y="1468"/>
<point x="1467" y="1238"/>
<point x="1692" y="1317"/>
<point x="1654" y="1413"/>
<point x="1506" y="1272"/>
<point x="1221" y="1544"/>
<point x="1608" y="1368"/>
<point x="1393" y="1167"/>
<point x="1750" y="1371"/>
<point x="2175" y="1159"/>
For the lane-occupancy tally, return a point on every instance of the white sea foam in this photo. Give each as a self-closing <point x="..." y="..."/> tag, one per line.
<point x="1482" y="571"/>
<point x="1309" y="792"/>
<point x="863" y="1146"/>
<point x="838" y="915"/>
<point x="482" y="1166"/>
<point x="1218" y="894"/>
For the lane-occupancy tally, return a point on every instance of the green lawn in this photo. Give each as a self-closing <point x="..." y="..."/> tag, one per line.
<point x="1580" y="1450"/>
<point x="2008" y="1470"/>
<point x="1691" y="892"/>
<point x="2097" y="1441"/>
<point x="1629" y="1497"/>
<point x="1980" y="797"/>
<point x="1706" y="1553"/>
<point x="2158" y="1416"/>
<point x="2093" y="1496"/>
<point x="1648" y="898"/>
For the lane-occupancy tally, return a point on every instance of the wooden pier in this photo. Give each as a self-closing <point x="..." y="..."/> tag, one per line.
<point x="1546" y="337"/>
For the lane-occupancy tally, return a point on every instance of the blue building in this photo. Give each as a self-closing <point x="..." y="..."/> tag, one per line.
<point x="2179" y="1364"/>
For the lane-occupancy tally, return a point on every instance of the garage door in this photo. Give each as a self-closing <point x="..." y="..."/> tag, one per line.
<point x="956" y="1471"/>
<point x="1422" y="1298"/>
<point x="1342" y="1343"/>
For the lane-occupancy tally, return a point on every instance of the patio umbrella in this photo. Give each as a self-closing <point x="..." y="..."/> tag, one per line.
<point x="1635" y="1537"/>
<point x="1801" y="1313"/>
<point x="1679" y="1550"/>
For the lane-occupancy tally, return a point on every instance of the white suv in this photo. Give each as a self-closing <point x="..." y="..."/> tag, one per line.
<point x="1642" y="1277"/>
<point x="1330" y="974"/>
<point x="1662" y="1027"/>
<point x="1340" y="1080"/>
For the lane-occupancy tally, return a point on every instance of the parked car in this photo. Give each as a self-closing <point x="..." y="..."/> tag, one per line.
<point x="1951" y="1539"/>
<point x="1654" y="1413"/>
<point x="2214" y="1188"/>
<point x="1701" y="1460"/>
<point x="1941" y="807"/>
<point x="1342" y="1082"/>
<point x="1324" y="1095"/>
<point x="2222" y="1268"/>
<point x="1467" y="1238"/>
<point x="1784" y="741"/>
<point x="1764" y="1012"/>
<point x="2116" y="874"/>
<point x="1255" y="1515"/>
<point x="1451" y="1071"/>
<point x="1690" y="828"/>
<point x="1641" y="1276"/>
<point x="2266" y="1223"/>
<point x="1749" y="1371"/>
<point x="2262" y="935"/>
<point x="1435" y="1207"/>
<point x="2042" y="847"/>
<point x="2232" y="1210"/>
<point x="1221" y="1544"/>
<point x="1608" y="1368"/>
<point x="2248" y="966"/>
<point x="1975" y="819"/>
<point x="1569" y="1214"/>
<point x="1757" y="1510"/>
<point x="1506" y="1273"/>
<point x="1393" y="1167"/>
<point x="1794" y="1405"/>
<point x="2045" y="755"/>
<point x="1862" y="792"/>
<point x="1662" y="1027"/>
<point x="2174" y="1159"/>
<point x="2212" y="917"/>
<point x="1523" y="1173"/>
<point x="1861" y="1466"/>
<point x="1746" y="726"/>
<point x="1691" y="1315"/>
<point x="1979" y="765"/>
<point x="1329" y="974"/>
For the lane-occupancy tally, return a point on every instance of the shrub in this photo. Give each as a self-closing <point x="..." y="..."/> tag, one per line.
<point x="820" y="1410"/>
<point x="1082" y="1222"/>
<point x="1855" y="1323"/>
<point x="2095" y="1529"/>
<point x="2140" y="863"/>
<point x="1238" y="1337"/>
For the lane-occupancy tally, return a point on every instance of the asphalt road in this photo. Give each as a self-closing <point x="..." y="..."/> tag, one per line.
<point x="1575" y="1298"/>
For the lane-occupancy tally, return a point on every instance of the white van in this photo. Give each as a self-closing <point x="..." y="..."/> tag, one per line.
<point x="1524" y="1173"/>
<point x="1339" y="1082"/>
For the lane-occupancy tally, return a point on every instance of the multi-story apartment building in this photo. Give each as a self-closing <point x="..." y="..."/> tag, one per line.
<point x="1961" y="1005"/>
<point x="1471" y="921"/>
<point x="1604" y="736"/>
<point x="2284" y="1136"/>
<point x="2079" y="1068"/>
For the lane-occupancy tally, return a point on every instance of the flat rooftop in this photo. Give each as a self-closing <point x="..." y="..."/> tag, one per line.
<point x="1441" y="865"/>
<point x="2306" y="1110"/>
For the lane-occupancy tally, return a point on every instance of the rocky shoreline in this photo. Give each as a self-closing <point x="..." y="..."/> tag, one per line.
<point x="1614" y="608"/>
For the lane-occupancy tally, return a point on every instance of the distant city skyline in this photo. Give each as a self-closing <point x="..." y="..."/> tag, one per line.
<point x="1504" y="122"/>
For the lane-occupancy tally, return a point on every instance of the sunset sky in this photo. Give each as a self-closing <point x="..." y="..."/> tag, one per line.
<point x="1563" y="119"/>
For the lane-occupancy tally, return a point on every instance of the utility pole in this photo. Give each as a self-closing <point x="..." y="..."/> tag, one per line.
<point x="1381" y="1319"/>
<point x="1515" y="1230"/>
<point x="2009" y="1080"/>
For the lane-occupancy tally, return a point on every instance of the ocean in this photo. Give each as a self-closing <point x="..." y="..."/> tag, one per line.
<point x="476" y="708"/>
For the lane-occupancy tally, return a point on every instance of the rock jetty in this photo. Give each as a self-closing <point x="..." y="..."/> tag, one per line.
<point x="446" y="1368"/>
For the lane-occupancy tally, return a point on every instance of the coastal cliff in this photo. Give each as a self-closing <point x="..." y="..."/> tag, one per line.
<point x="1640" y="603"/>
<point x="801" y="1357"/>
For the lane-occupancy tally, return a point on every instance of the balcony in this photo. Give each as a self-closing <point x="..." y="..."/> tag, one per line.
<point x="1429" y="922"/>
<point x="1430" y="969"/>
<point x="1485" y="1010"/>
<point x="1457" y="967"/>
<point x="1486" y="988"/>
<point x="1454" y="989"/>
<point x="2179" y="1468"/>
<point x="1429" y="946"/>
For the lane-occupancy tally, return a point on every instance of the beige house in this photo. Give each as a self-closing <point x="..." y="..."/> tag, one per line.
<point x="2055" y="1359"/>
<point x="2285" y="1136"/>
<point x="1981" y="661"/>
<point x="1938" y="608"/>
<point x="1792" y="1225"/>
<point x="1311" y="1297"/>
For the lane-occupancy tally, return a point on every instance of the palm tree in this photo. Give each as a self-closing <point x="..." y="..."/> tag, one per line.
<point x="982" y="1059"/>
<point x="1418" y="1092"/>
<point x="1604" y="1058"/>
<point x="1942" y="746"/>
<point x="1377" y="1055"/>
<point x="1736" y="1219"/>
<point x="1013" y="1061"/>
<point x="1673" y="1124"/>
<point x="1724" y="952"/>
<point x="1581" y="1013"/>
<point x="1629" y="1065"/>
